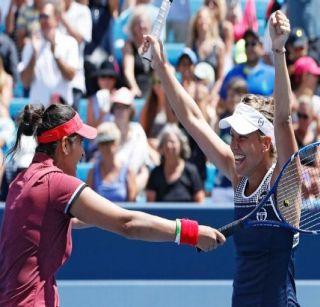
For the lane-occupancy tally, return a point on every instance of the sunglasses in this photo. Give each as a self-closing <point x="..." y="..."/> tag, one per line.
<point x="43" y="16"/>
<point x="302" y="116"/>
<point x="251" y="44"/>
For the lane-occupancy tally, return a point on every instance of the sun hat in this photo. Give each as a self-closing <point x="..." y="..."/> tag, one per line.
<point x="188" y="52"/>
<point x="246" y="119"/>
<point x="107" y="132"/>
<point x="123" y="96"/>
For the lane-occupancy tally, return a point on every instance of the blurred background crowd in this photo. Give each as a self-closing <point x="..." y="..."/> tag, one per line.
<point x="85" y="53"/>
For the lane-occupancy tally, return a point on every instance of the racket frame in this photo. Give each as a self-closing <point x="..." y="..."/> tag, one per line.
<point x="245" y="222"/>
<point x="158" y="25"/>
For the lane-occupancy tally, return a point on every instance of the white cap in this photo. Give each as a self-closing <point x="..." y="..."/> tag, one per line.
<point x="205" y="71"/>
<point x="246" y="119"/>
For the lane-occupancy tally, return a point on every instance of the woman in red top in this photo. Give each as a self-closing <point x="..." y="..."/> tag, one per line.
<point x="45" y="200"/>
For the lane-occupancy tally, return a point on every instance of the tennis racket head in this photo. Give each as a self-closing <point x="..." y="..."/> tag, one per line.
<point x="298" y="190"/>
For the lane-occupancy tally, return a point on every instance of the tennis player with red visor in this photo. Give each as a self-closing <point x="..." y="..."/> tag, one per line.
<point x="46" y="200"/>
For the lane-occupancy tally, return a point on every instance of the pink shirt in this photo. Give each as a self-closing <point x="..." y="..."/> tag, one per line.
<point x="35" y="240"/>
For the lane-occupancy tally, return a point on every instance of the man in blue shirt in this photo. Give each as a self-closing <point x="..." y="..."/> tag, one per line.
<point x="258" y="75"/>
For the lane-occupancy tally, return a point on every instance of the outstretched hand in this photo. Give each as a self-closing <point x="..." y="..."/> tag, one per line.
<point x="209" y="238"/>
<point x="157" y="53"/>
<point x="279" y="29"/>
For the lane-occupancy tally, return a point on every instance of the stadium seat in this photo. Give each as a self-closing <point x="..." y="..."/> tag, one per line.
<point x="16" y="106"/>
<point x="211" y="172"/>
<point x="83" y="169"/>
<point x="138" y="104"/>
<point x="173" y="51"/>
<point x="195" y="5"/>
<point x="82" y="109"/>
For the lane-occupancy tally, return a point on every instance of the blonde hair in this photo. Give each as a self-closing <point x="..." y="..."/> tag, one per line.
<point x="222" y="9"/>
<point x="57" y="9"/>
<point x="213" y="29"/>
<point x="139" y="12"/>
<point x="264" y="105"/>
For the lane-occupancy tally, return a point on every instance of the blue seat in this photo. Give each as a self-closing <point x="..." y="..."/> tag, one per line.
<point x="211" y="172"/>
<point x="82" y="109"/>
<point x="138" y="104"/>
<point x="173" y="51"/>
<point x="195" y="5"/>
<point x="16" y="106"/>
<point x="83" y="169"/>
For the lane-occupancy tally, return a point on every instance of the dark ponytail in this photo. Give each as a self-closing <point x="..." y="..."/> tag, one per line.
<point x="35" y="119"/>
<point x="28" y="122"/>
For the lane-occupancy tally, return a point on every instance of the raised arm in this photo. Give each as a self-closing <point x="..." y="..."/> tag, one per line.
<point x="92" y="209"/>
<point x="189" y="114"/>
<point x="279" y="28"/>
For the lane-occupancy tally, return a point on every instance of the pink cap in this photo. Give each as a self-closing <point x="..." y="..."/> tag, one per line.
<point x="123" y="95"/>
<point x="306" y="64"/>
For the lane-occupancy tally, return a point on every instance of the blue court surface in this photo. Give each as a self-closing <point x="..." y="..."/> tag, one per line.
<point x="164" y="293"/>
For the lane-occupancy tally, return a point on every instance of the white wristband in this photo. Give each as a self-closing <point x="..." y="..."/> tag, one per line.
<point x="178" y="231"/>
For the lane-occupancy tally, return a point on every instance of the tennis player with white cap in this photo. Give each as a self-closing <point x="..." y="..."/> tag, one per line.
<point x="264" y="273"/>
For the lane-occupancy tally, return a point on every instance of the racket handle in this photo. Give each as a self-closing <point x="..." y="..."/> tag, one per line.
<point x="229" y="229"/>
<point x="158" y="25"/>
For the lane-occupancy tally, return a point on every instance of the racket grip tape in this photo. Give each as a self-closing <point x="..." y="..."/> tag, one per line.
<point x="229" y="229"/>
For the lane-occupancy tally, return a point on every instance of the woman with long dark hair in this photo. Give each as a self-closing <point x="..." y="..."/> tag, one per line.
<point x="45" y="200"/>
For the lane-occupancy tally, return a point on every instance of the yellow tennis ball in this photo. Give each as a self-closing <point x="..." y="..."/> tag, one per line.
<point x="286" y="203"/>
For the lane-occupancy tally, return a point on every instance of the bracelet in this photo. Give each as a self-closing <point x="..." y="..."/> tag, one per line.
<point x="189" y="232"/>
<point x="279" y="51"/>
<point x="178" y="231"/>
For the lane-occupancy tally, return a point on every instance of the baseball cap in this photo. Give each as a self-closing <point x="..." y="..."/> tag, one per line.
<point x="306" y="64"/>
<point x="123" y="95"/>
<point x="190" y="54"/>
<point x="204" y="71"/>
<point x="107" y="132"/>
<point x="297" y="37"/>
<point x="246" y="119"/>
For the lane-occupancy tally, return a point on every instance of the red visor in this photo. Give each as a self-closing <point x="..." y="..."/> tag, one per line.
<point x="74" y="125"/>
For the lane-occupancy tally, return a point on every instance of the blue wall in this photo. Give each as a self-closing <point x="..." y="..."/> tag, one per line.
<point x="98" y="254"/>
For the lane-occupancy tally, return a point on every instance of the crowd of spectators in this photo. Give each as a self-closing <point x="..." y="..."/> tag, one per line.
<point x="70" y="51"/>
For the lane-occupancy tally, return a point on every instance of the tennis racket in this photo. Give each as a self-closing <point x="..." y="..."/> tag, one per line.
<point x="296" y="195"/>
<point x="158" y="24"/>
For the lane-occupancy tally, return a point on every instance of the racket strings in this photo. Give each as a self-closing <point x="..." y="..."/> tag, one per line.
<point x="301" y="212"/>
<point x="313" y="218"/>
<point x="298" y="192"/>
